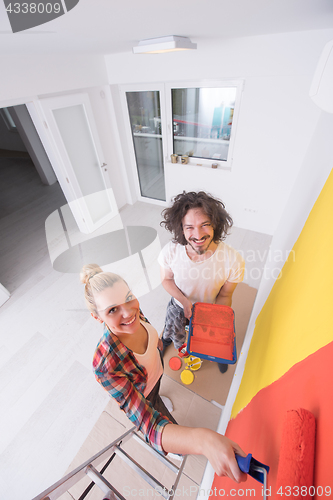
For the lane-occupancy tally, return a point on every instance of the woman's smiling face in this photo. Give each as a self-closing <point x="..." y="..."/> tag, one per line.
<point x="118" y="308"/>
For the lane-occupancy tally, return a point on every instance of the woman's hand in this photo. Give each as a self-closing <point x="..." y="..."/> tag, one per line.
<point x="220" y="451"/>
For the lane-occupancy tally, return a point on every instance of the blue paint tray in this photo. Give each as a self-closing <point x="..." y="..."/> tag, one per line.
<point x="212" y="333"/>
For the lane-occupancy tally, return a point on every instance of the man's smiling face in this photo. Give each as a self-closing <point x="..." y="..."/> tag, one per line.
<point x="198" y="230"/>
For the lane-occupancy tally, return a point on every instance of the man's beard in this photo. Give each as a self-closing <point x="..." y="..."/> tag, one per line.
<point x="200" y="251"/>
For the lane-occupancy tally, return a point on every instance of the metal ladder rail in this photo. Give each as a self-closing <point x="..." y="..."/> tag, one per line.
<point x="137" y="467"/>
<point x="88" y="469"/>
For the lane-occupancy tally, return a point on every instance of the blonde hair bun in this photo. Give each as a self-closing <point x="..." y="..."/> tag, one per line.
<point x="101" y="280"/>
<point x="88" y="271"/>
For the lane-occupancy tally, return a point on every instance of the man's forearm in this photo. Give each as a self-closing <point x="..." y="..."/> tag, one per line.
<point x="170" y="286"/>
<point x="224" y="300"/>
<point x="224" y="297"/>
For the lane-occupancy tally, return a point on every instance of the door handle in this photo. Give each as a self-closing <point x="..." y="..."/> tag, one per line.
<point x="104" y="165"/>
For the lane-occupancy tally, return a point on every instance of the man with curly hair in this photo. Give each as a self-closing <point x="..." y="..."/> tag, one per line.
<point x="196" y="266"/>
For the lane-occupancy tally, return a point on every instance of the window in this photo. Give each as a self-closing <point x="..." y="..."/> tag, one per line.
<point x="193" y="119"/>
<point x="203" y="122"/>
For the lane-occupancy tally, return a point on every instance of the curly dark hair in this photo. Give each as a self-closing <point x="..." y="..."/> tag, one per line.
<point x="182" y="203"/>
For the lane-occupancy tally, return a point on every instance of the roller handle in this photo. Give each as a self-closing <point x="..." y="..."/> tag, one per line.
<point x="253" y="467"/>
<point x="244" y="462"/>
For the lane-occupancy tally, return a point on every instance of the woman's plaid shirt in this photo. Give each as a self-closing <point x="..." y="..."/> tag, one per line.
<point x="119" y="373"/>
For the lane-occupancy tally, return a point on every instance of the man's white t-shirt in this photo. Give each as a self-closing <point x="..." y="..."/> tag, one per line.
<point x="202" y="281"/>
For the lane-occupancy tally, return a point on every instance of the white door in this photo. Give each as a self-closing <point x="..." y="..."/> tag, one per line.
<point x="80" y="169"/>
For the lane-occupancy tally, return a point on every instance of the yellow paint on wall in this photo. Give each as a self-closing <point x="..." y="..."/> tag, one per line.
<point x="297" y="318"/>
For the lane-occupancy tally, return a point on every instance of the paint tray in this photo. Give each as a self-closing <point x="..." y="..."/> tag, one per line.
<point x="212" y="333"/>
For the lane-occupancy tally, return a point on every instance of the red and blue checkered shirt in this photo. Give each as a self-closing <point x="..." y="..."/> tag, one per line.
<point x="119" y="373"/>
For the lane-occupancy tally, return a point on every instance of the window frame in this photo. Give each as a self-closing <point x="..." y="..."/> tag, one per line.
<point x="196" y="161"/>
<point x="143" y="87"/>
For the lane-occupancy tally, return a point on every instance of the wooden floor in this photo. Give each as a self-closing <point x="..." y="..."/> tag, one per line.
<point x="49" y="398"/>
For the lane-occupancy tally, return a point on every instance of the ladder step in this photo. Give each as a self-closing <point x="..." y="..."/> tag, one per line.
<point x="101" y="482"/>
<point x="164" y="460"/>
<point x="162" y="490"/>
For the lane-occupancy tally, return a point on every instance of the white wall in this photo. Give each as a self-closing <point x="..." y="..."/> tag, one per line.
<point x="37" y="75"/>
<point x="315" y="169"/>
<point x="277" y="118"/>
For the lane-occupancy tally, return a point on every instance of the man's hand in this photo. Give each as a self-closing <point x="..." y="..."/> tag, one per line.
<point x="187" y="305"/>
<point x="160" y="345"/>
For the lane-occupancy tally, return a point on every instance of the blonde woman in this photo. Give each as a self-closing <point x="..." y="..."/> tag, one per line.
<point x="127" y="363"/>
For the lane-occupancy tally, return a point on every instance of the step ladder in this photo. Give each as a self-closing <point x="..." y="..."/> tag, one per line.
<point x="88" y="468"/>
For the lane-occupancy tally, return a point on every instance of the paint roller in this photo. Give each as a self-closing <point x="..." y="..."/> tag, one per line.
<point x="297" y="453"/>
<point x="296" y="459"/>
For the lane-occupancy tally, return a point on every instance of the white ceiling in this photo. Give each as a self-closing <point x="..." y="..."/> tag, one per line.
<point x="111" y="26"/>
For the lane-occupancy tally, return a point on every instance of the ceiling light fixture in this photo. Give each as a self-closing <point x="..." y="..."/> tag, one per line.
<point x="164" y="44"/>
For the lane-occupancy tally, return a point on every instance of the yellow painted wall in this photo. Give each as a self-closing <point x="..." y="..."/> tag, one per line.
<point x="297" y="318"/>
